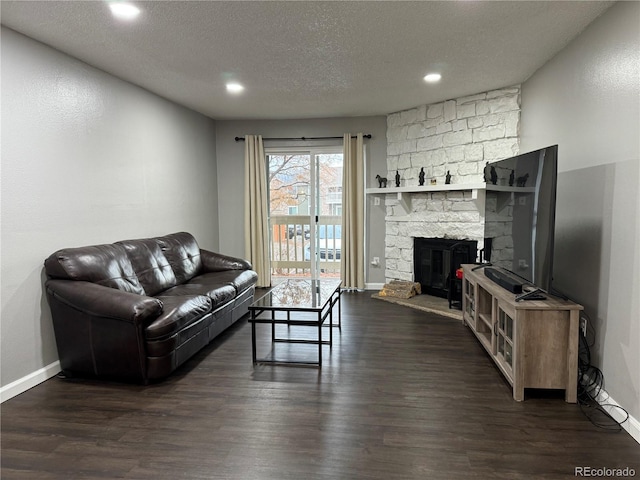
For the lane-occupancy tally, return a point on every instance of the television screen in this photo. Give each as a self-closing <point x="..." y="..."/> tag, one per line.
<point x="520" y="215"/>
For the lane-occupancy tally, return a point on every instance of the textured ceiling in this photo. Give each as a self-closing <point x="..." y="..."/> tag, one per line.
<point x="305" y="59"/>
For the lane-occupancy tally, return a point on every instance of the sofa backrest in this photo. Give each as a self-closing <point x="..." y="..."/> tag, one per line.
<point x="183" y="253"/>
<point x="106" y="265"/>
<point x="146" y="266"/>
<point x="150" y="265"/>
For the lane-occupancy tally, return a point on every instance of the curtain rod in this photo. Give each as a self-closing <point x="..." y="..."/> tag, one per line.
<point x="368" y="135"/>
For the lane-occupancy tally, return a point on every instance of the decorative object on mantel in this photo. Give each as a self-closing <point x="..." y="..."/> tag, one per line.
<point x="447" y="180"/>
<point x="512" y="178"/>
<point x="421" y="177"/>
<point x="494" y="175"/>
<point x="382" y="181"/>
<point x="486" y="173"/>
<point x="522" y="181"/>
<point x="397" y="179"/>
<point x="400" y="289"/>
<point x="434" y="181"/>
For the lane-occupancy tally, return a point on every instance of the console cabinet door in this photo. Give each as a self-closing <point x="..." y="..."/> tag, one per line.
<point x="469" y="302"/>
<point x="505" y="331"/>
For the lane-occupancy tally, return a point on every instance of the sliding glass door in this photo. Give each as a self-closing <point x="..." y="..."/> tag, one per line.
<point x="305" y="210"/>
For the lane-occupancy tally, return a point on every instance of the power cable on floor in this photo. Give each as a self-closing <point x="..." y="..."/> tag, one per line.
<point x="591" y="385"/>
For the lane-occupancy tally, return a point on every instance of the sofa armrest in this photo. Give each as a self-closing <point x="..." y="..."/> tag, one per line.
<point x="100" y="330"/>
<point x="216" y="262"/>
<point x="100" y="301"/>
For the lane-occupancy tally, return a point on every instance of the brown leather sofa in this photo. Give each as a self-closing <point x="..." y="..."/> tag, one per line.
<point x="135" y="310"/>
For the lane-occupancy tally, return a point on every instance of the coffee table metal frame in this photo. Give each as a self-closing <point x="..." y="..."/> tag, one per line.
<point x="323" y="311"/>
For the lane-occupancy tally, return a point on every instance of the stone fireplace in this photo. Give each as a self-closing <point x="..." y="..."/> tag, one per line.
<point x="450" y="216"/>
<point x="456" y="137"/>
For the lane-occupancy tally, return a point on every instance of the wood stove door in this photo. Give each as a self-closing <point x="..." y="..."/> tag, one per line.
<point x="434" y="265"/>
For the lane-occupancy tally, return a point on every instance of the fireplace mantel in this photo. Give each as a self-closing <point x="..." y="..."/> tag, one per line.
<point x="404" y="193"/>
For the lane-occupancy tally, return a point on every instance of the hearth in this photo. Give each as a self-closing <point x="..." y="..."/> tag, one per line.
<point x="435" y="262"/>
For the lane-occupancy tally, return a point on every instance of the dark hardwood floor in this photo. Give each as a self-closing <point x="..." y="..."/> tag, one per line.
<point x="403" y="394"/>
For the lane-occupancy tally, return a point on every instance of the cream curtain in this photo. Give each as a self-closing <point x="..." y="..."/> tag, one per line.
<point x="256" y="220"/>
<point x="352" y="256"/>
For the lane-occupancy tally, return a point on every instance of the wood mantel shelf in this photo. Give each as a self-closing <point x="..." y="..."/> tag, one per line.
<point x="404" y="193"/>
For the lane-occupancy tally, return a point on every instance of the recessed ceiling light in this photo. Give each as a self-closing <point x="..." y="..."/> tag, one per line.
<point x="234" y="88"/>
<point x="432" y="78"/>
<point x="124" y="11"/>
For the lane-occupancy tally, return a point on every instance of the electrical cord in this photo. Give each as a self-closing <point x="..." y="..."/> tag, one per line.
<point x="590" y="386"/>
<point x="591" y="381"/>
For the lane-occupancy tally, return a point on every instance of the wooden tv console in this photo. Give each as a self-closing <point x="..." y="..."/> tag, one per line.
<point x="534" y="343"/>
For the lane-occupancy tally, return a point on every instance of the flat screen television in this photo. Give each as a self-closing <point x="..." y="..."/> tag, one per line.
<point x="520" y="211"/>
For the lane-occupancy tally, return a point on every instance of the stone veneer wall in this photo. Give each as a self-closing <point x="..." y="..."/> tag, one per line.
<point x="458" y="136"/>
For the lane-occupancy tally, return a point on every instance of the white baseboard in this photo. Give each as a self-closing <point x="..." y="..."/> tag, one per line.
<point x="29" y="381"/>
<point x="373" y="286"/>
<point x="632" y="425"/>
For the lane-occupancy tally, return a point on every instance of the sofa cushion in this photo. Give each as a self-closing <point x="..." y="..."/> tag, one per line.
<point x="159" y="347"/>
<point x="178" y="312"/>
<point x="240" y="279"/>
<point x="106" y="265"/>
<point x="150" y="264"/>
<point x="210" y="284"/>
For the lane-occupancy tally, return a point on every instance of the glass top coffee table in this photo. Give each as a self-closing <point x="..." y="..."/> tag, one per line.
<point x="301" y="302"/>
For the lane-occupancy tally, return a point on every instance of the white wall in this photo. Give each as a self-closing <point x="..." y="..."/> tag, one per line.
<point x="230" y="155"/>
<point x="586" y="100"/>
<point x="86" y="159"/>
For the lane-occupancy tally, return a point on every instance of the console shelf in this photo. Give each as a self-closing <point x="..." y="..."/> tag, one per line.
<point x="534" y="343"/>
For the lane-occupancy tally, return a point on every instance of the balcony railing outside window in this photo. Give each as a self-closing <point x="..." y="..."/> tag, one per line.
<point x="291" y="245"/>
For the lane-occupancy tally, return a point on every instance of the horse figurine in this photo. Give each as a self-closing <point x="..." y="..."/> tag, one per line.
<point x="382" y="181"/>
<point x="522" y="181"/>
